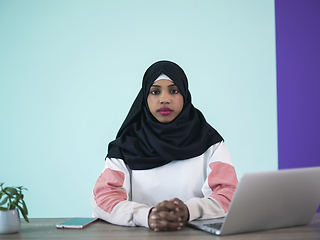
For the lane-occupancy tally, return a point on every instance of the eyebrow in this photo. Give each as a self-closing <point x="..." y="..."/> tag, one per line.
<point x="172" y="85"/>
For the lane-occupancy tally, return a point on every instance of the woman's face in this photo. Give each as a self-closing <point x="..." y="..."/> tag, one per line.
<point x="165" y="100"/>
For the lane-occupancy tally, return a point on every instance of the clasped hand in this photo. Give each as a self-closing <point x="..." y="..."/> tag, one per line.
<point x="168" y="215"/>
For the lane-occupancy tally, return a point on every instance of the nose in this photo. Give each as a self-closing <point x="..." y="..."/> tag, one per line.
<point x="164" y="98"/>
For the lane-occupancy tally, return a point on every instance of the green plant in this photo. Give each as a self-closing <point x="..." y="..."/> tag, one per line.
<point x="11" y="198"/>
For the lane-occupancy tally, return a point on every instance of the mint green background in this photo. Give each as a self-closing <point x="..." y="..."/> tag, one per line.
<point x="70" y="70"/>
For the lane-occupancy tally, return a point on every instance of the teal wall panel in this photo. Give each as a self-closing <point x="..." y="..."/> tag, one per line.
<point x="70" y="70"/>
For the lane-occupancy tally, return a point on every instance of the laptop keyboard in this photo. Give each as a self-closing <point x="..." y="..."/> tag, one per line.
<point x="214" y="225"/>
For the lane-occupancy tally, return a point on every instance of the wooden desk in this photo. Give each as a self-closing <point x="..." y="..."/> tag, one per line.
<point x="45" y="228"/>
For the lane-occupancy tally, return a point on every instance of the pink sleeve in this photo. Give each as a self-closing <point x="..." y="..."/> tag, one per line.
<point x="222" y="180"/>
<point x="107" y="190"/>
<point x="110" y="199"/>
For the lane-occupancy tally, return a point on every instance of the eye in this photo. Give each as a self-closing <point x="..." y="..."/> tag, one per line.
<point x="174" y="91"/>
<point x="154" y="92"/>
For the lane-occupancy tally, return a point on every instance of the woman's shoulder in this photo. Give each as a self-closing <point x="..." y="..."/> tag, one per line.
<point x="116" y="164"/>
<point x="218" y="153"/>
<point x="213" y="148"/>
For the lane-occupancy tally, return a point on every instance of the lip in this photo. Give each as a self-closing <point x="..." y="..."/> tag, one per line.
<point x="164" y="111"/>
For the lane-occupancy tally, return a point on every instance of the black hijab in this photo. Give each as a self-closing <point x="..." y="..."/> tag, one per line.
<point x="145" y="143"/>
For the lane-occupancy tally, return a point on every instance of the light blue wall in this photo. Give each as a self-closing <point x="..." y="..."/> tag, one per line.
<point x="70" y="70"/>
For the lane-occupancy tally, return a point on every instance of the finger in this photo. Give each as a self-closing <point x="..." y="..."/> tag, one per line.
<point x="165" y="206"/>
<point x="164" y="215"/>
<point x="155" y="216"/>
<point x="168" y="216"/>
<point x="182" y="209"/>
<point x="179" y="205"/>
<point x="176" y="201"/>
<point x="166" y="226"/>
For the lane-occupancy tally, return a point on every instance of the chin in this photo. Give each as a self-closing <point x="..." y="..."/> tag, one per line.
<point x="165" y="120"/>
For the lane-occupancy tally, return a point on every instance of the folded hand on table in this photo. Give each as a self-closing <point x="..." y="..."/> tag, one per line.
<point x="168" y="215"/>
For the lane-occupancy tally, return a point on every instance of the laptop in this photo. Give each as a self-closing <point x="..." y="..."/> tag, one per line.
<point x="269" y="200"/>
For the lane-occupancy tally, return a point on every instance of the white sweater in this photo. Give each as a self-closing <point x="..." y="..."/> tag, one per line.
<point x="205" y="183"/>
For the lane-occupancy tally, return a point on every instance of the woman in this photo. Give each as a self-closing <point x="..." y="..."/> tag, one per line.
<point x="167" y="165"/>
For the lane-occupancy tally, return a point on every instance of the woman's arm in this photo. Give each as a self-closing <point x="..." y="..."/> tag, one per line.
<point x="218" y="188"/>
<point x="111" y="197"/>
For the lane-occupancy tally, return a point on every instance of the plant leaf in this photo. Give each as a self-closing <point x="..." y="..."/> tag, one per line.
<point x="12" y="206"/>
<point x="23" y="213"/>
<point x="3" y="209"/>
<point x="11" y="191"/>
<point x="17" y="198"/>
<point x="4" y="200"/>
<point x="24" y="206"/>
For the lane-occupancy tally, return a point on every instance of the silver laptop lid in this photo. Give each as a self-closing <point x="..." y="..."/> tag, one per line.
<point x="269" y="200"/>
